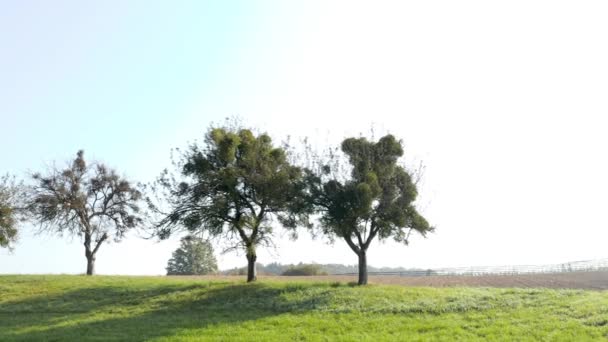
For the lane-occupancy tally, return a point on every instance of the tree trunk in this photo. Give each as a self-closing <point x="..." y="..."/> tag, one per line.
<point x="362" y="267"/>
<point x="90" y="263"/>
<point x="251" y="271"/>
<point x="88" y="252"/>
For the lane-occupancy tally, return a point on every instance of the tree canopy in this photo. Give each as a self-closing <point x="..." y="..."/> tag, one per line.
<point x="85" y="200"/>
<point x="193" y="257"/>
<point x="375" y="199"/>
<point x="12" y="202"/>
<point x="233" y="186"/>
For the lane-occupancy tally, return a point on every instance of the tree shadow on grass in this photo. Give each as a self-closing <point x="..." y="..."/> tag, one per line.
<point x="40" y="311"/>
<point x="114" y="313"/>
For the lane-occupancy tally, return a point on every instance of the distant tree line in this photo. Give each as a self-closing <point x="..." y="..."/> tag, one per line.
<point x="276" y="269"/>
<point x="279" y="269"/>
<point x="236" y="186"/>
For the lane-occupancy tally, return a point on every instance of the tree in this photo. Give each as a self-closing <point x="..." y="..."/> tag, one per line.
<point x="232" y="187"/>
<point x="193" y="257"/>
<point x="374" y="199"/>
<point x="12" y="201"/>
<point x="85" y="200"/>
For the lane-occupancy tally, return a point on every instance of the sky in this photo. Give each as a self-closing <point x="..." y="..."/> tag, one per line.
<point x="503" y="102"/>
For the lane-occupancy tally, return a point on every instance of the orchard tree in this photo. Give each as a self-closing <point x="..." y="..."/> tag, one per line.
<point x="12" y="202"/>
<point x="90" y="201"/>
<point x="232" y="187"/>
<point x="374" y="199"/>
<point x="193" y="257"/>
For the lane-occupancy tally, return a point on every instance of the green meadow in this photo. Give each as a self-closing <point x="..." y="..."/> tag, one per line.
<point x="103" y="308"/>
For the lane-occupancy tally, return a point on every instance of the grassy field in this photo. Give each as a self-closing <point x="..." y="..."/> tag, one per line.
<point x="102" y="308"/>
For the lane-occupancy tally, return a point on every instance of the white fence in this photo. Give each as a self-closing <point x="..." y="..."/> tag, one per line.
<point x="574" y="266"/>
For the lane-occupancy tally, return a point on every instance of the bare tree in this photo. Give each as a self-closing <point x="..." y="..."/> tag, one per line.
<point x="89" y="201"/>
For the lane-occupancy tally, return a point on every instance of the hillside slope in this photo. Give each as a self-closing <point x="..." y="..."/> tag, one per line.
<point x="102" y="308"/>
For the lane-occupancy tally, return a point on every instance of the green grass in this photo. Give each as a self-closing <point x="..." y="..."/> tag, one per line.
<point x="100" y="308"/>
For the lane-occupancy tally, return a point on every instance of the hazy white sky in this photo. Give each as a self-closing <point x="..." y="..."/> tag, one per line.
<point x="503" y="102"/>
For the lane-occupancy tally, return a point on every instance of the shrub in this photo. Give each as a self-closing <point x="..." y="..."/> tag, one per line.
<point x="305" y="270"/>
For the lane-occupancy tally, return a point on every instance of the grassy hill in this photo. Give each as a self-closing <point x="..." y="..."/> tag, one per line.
<point x="102" y="308"/>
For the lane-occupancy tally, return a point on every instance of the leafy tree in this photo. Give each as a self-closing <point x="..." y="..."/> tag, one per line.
<point x="85" y="200"/>
<point x="12" y="201"/>
<point x="233" y="187"/>
<point x="193" y="257"/>
<point x="374" y="199"/>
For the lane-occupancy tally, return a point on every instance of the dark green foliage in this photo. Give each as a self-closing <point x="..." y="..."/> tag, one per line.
<point x="12" y="200"/>
<point x="193" y="257"/>
<point x="304" y="270"/>
<point x="233" y="186"/>
<point x="85" y="200"/>
<point x="375" y="199"/>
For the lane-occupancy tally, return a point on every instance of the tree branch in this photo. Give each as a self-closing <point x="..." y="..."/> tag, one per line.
<point x="372" y="233"/>
<point x="352" y="245"/>
<point x="103" y="238"/>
